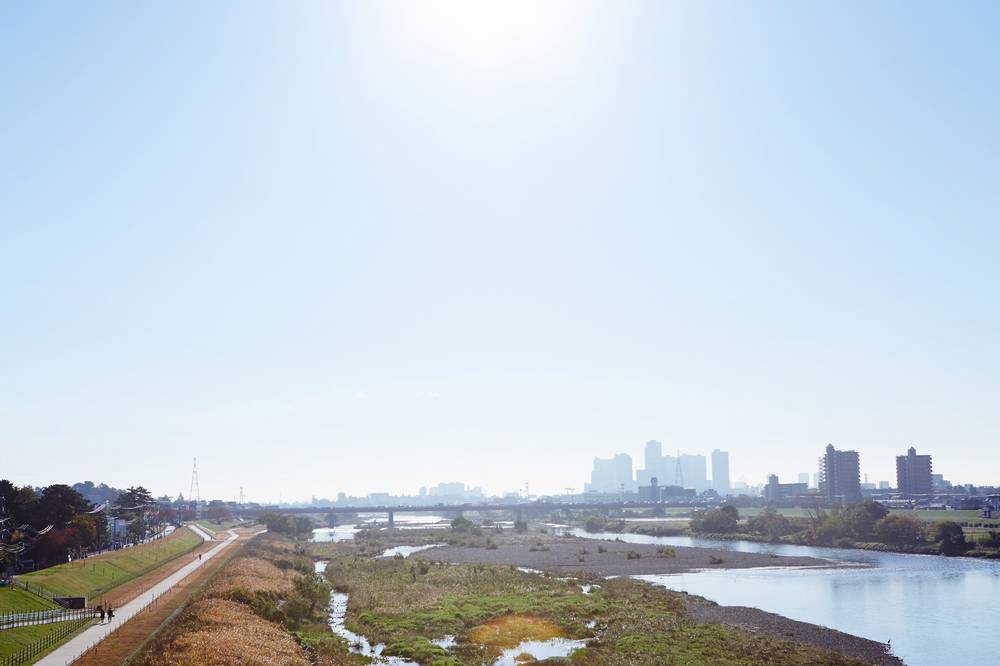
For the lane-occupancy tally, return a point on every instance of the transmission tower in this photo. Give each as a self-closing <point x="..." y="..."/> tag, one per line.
<point x="679" y="471"/>
<point x="195" y="490"/>
<point x="242" y="497"/>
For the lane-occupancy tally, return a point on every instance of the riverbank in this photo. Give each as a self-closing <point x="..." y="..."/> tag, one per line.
<point x="760" y="622"/>
<point x="611" y="558"/>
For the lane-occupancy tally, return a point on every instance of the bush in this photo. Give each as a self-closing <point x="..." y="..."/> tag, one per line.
<point x="716" y="521"/>
<point x="595" y="524"/>
<point x="633" y="555"/>
<point x="899" y="530"/>
<point x="949" y="537"/>
<point x="770" y="524"/>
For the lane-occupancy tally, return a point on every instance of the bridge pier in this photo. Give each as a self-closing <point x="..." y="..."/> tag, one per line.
<point x="392" y="521"/>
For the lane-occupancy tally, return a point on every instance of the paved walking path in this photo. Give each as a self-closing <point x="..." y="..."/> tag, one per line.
<point x="76" y="646"/>
<point x="202" y="533"/>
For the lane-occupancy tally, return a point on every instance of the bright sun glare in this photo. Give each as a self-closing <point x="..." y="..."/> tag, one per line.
<point x="477" y="35"/>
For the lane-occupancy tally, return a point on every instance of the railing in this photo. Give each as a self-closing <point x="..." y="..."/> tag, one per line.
<point x="12" y="620"/>
<point x="152" y="602"/>
<point x="28" y="653"/>
<point x="35" y="589"/>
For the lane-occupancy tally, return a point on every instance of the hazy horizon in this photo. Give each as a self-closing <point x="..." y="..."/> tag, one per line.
<point x="361" y="247"/>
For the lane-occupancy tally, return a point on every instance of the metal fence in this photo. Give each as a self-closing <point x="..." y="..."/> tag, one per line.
<point x="32" y="588"/>
<point x="28" y="653"/>
<point x="11" y="620"/>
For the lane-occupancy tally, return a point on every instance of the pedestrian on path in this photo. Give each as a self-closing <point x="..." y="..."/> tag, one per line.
<point x="111" y="615"/>
<point x="199" y="557"/>
<point x="100" y="611"/>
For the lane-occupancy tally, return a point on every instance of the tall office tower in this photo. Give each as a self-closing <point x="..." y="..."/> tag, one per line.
<point x="654" y="456"/>
<point x="602" y="477"/>
<point x="914" y="474"/>
<point x="804" y="477"/>
<point x="694" y="471"/>
<point x="840" y="475"/>
<point x="623" y="473"/>
<point x="720" y="471"/>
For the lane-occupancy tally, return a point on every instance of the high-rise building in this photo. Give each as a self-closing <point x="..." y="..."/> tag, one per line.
<point x="654" y="455"/>
<point x="804" y="478"/>
<point x="694" y="472"/>
<point x="914" y="474"/>
<point x="657" y="465"/>
<point x="840" y="475"/>
<point x="623" y="472"/>
<point x="720" y="471"/>
<point x="612" y="475"/>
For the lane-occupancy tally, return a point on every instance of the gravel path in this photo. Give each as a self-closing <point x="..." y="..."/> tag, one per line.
<point x="565" y="556"/>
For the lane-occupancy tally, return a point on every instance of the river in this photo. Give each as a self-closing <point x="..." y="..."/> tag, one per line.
<point x="934" y="610"/>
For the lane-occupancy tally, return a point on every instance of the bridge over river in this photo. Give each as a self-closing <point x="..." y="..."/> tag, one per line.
<point x="519" y="509"/>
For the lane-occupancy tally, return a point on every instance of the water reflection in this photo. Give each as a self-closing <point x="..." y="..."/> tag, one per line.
<point x="935" y="610"/>
<point x="554" y="647"/>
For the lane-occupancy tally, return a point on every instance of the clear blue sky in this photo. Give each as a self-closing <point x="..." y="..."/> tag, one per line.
<point x="370" y="246"/>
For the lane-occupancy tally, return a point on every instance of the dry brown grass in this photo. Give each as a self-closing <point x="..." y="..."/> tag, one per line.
<point x="220" y="632"/>
<point x="510" y="630"/>
<point x="252" y="575"/>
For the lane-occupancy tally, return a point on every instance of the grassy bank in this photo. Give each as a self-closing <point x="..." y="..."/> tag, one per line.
<point x="408" y="603"/>
<point x="13" y="600"/>
<point x="95" y="576"/>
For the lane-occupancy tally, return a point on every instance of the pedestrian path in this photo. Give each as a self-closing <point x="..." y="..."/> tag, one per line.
<point x="76" y="646"/>
<point x="202" y="533"/>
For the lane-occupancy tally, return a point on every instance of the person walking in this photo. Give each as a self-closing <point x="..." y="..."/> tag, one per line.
<point x="100" y="611"/>
<point x="111" y="615"/>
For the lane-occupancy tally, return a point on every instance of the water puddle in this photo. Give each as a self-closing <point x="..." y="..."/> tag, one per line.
<point x="340" y="533"/>
<point x="529" y="571"/>
<point x="406" y="551"/>
<point x="357" y="643"/>
<point x="447" y="642"/>
<point x="554" y="647"/>
<point x="586" y="589"/>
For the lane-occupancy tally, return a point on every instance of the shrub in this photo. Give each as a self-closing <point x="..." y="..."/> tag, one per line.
<point x="770" y="524"/>
<point x="718" y="521"/>
<point x="949" y="537"/>
<point x="633" y="555"/>
<point x="899" y="530"/>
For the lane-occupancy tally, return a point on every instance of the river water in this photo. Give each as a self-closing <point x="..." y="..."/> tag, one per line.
<point x="934" y="610"/>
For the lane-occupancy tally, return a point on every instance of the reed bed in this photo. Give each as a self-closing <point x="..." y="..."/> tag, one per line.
<point x="218" y="632"/>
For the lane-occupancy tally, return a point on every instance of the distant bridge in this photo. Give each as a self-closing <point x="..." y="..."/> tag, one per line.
<point x="518" y="509"/>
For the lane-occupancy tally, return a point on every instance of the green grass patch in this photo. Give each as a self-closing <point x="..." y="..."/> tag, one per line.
<point x="13" y="640"/>
<point x="95" y="576"/>
<point x="959" y="516"/>
<point x="408" y="603"/>
<point x="13" y="600"/>
<point x="215" y="527"/>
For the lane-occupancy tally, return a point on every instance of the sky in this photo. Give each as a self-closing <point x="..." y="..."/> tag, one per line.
<point x="371" y="246"/>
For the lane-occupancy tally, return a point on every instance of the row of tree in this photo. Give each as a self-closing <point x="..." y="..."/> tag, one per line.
<point x="865" y="522"/>
<point x="43" y="527"/>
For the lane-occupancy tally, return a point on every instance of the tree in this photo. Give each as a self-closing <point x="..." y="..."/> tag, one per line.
<point x="899" y="530"/>
<point x="861" y="518"/>
<point x="949" y="537"/>
<point x="312" y="588"/>
<point x="770" y="524"/>
<point x="137" y="506"/>
<point x="716" y="521"/>
<point x="58" y="504"/>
